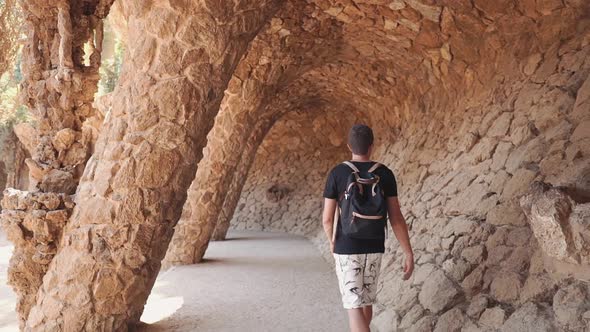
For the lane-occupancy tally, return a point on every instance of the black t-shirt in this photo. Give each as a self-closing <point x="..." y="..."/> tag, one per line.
<point x="336" y="184"/>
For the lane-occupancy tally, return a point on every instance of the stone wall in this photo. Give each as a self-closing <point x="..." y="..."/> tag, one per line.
<point x="3" y="177"/>
<point x="60" y="62"/>
<point x="297" y="39"/>
<point x="281" y="192"/>
<point x="180" y="56"/>
<point x="472" y="101"/>
<point x="461" y="173"/>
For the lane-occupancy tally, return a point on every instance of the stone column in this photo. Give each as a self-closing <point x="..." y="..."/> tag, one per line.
<point x="246" y="96"/>
<point x="289" y="46"/>
<point x="239" y="176"/>
<point x="226" y="152"/>
<point x="180" y="57"/>
<point x="59" y="83"/>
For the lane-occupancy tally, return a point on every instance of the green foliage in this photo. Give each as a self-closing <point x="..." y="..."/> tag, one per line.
<point x="110" y="68"/>
<point x="110" y="71"/>
<point x="10" y="58"/>
<point x="10" y="31"/>
<point x="10" y="111"/>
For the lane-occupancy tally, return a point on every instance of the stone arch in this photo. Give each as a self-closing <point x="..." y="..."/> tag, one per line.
<point x="135" y="183"/>
<point x="467" y="90"/>
<point x="462" y="172"/>
<point x="279" y="54"/>
<point x="461" y="178"/>
<point x="471" y="115"/>
<point x="290" y="168"/>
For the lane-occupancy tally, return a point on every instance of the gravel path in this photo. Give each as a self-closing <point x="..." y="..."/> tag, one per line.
<point x="254" y="281"/>
<point x="8" y="320"/>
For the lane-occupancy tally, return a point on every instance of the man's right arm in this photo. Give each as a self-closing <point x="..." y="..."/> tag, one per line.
<point x="328" y="219"/>
<point x="330" y="204"/>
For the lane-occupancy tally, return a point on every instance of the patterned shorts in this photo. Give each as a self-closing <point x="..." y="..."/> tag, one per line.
<point x="357" y="277"/>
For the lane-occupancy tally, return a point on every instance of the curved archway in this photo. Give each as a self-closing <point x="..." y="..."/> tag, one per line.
<point x="465" y="141"/>
<point x="477" y="100"/>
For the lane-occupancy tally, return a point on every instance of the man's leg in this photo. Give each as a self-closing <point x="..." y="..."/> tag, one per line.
<point x="349" y="270"/>
<point x="368" y="313"/>
<point x="371" y="271"/>
<point x="356" y="320"/>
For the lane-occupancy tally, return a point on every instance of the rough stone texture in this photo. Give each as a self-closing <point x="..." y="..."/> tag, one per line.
<point x="471" y="101"/>
<point x="492" y="318"/>
<point x="133" y="187"/>
<point x="286" y="208"/>
<point x="438" y="292"/>
<point x="245" y="116"/>
<point x="465" y="149"/>
<point x="529" y="317"/>
<point x="569" y="305"/>
<point x="234" y="191"/>
<point x="549" y="211"/>
<point x="3" y="177"/>
<point x="451" y="321"/>
<point x="58" y="87"/>
<point x="33" y="222"/>
<point x="478" y="304"/>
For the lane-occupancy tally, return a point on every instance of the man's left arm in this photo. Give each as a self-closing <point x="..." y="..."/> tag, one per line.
<point x="328" y="219"/>
<point x="400" y="229"/>
<point x="398" y="222"/>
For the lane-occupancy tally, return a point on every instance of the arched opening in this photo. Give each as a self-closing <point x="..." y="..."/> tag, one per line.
<point x="473" y="101"/>
<point x="465" y="151"/>
<point x="283" y="190"/>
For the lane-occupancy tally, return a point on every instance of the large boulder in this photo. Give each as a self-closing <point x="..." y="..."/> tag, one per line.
<point x="438" y="292"/>
<point x="529" y="318"/>
<point x="558" y="223"/>
<point x="569" y="305"/>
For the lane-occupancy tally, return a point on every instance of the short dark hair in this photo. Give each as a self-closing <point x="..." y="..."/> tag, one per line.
<point x="360" y="138"/>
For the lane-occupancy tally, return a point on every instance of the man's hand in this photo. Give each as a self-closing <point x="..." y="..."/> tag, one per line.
<point x="408" y="266"/>
<point x="332" y="247"/>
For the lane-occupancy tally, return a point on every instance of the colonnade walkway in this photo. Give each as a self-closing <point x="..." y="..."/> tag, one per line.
<point x="254" y="281"/>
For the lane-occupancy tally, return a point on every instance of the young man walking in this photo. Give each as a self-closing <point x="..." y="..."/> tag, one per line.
<point x="358" y="259"/>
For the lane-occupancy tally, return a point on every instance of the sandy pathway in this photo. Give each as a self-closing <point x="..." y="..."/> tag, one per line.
<point x="252" y="282"/>
<point x="8" y="320"/>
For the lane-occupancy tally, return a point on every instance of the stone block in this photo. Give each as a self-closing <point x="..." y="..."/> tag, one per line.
<point x="438" y="292"/>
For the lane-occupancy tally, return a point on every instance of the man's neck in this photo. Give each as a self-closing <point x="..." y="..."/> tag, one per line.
<point x="356" y="157"/>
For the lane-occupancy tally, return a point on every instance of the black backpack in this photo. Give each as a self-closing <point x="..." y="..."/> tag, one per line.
<point x="363" y="205"/>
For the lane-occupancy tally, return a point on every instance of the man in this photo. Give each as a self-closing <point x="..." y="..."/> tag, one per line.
<point x="358" y="261"/>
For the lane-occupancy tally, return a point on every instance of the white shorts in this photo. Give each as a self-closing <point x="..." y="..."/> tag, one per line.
<point x="358" y="275"/>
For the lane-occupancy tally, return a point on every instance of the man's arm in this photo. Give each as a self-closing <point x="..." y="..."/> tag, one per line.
<point x="328" y="219"/>
<point x="400" y="229"/>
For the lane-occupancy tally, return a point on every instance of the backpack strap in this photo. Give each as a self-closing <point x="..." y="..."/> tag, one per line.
<point x="371" y="170"/>
<point x="374" y="167"/>
<point x="351" y="165"/>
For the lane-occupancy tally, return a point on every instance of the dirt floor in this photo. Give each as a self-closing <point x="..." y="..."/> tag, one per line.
<point x="254" y="281"/>
<point x="8" y="320"/>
